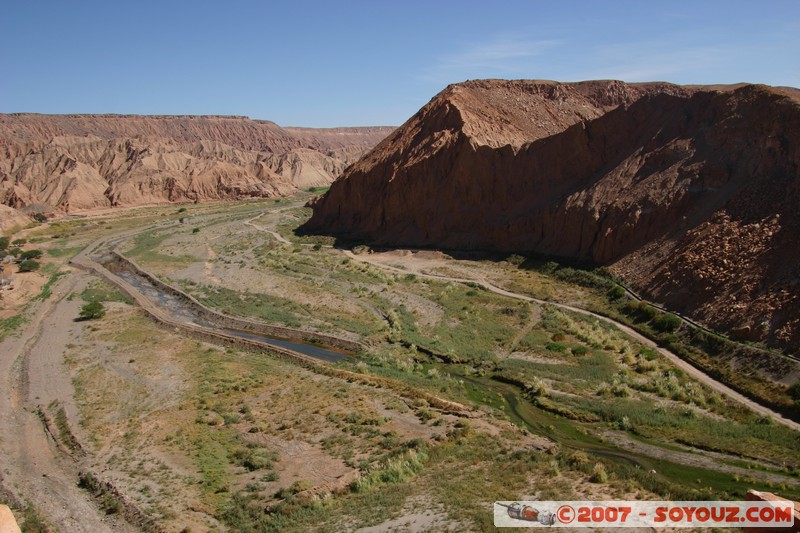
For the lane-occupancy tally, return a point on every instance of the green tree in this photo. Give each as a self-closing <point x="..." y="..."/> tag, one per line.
<point x="92" y="311"/>
<point x="4" y="242"/>
<point x="30" y="254"/>
<point x="28" y="265"/>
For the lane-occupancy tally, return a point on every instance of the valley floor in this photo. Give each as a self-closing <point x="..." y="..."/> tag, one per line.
<point x="168" y="432"/>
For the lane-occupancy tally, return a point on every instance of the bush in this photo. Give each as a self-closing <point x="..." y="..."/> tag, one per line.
<point x="19" y="242"/>
<point x="794" y="393"/>
<point x="667" y="323"/>
<point x="29" y="265"/>
<point x="640" y="311"/>
<point x="4" y="241"/>
<point x="616" y="292"/>
<point x="30" y="254"/>
<point x="195" y="230"/>
<point x="556" y="347"/>
<point x="580" y="350"/>
<point x="92" y="311"/>
<point x="599" y="474"/>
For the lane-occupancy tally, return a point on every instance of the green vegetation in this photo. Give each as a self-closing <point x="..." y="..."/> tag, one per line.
<point x="30" y="254"/>
<point x="92" y="311"/>
<point x="11" y="324"/>
<point x="31" y="520"/>
<point x="102" y="291"/>
<point x="47" y="288"/>
<point x="146" y="249"/>
<point x="28" y="265"/>
<point x="109" y="501"/>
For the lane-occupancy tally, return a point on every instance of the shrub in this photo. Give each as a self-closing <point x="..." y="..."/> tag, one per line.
<point x="667" y="323"/>
<point x="599" y="474"/>
<point x="29" y="265"/>
<point x="19" y="242"/>
<point x="195" y="230"/>
<point x="92" y="311"/>
<point x="649" y="354"/>
<point x="536" y="388"/>
<point x="580" y="350"/>
<point x="4" y="241"/>
<point x="555" y="347"/>
<point x="30" y="254"/>
<point x="616" y="292"/>
<point x="794" y="392"/>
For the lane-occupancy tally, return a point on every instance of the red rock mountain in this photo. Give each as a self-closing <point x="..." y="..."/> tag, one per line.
<point x="691" y="194"/>
<point x="75" y="162"/>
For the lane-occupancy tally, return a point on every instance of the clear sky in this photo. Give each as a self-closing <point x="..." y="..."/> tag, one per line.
<point x="314" y="63"/>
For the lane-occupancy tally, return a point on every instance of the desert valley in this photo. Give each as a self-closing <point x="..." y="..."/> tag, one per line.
<point x="530" y="290"/>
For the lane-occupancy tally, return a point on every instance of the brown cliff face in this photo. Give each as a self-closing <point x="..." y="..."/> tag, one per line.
<point x="76" y="162"/>
<point x="692" y="194"/>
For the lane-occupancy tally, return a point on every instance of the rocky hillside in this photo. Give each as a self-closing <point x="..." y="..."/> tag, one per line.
<point x="691" y="194"/>
<point x="11" y="218"/>
<point x="76" y="162"/>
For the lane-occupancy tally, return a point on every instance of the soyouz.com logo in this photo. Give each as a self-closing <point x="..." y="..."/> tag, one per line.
<point x="643" y="514"/>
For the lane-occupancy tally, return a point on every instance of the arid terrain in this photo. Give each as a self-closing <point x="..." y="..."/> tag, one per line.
<point x="71" y="163"/>
<point x="474" y="380"/>
<point x="529" y="291"/>
<point x="690" y="194"/>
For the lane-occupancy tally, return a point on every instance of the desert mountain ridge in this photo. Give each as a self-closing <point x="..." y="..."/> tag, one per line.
<point x="79" y="162"/>
<point x="689" y="193"/>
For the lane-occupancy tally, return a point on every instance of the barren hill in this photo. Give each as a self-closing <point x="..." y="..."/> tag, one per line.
<point x="691" y="194"/>
<point x="74" y="162"/>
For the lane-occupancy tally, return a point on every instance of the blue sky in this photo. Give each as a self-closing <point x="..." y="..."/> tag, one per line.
<point x="375" y="62"/>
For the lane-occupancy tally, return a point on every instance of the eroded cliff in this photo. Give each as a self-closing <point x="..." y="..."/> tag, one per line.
<point x="76" y="162"/>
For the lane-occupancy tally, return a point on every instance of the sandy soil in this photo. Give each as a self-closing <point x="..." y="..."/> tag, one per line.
<point x="34" y="374"/>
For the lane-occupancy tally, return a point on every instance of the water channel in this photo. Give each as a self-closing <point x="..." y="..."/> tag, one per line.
<point x="183" y="311"/>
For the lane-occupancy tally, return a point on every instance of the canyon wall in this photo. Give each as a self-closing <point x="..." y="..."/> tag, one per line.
<point x="691" y="194"/>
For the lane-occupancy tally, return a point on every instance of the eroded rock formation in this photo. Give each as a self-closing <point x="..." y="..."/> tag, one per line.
<point x="76" y="162"/>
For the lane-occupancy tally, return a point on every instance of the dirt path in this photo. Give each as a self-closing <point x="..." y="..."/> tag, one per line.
<point x="677" y="361"/>
<point x="34" y="374"/>
<point x="278" y="236"/>
<point x="695" y="458"/>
